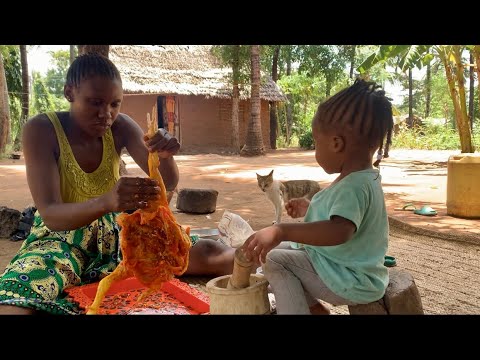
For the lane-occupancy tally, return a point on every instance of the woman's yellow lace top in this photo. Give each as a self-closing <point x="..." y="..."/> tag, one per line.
<point x="77" y="185"/>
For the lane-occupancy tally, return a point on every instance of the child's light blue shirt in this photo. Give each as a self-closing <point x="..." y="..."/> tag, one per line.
<point x="353" y="270"/>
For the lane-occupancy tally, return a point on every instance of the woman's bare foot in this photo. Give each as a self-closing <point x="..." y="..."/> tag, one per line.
<point x="15" y="310"/>
<point x="319" y="309"/>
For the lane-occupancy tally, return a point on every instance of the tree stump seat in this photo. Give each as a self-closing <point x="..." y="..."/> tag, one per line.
<point x="401" y="298"/>
<point x="9" y="219"/>
<point x="197" y="201"/>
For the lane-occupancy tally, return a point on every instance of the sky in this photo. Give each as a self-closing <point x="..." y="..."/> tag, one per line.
<point x="40" y="60"/>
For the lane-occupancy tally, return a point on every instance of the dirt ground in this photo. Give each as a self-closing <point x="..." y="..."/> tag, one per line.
<point x="446" y="272"/>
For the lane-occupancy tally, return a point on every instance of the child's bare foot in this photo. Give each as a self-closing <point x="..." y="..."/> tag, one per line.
<point x="319" y="309"/>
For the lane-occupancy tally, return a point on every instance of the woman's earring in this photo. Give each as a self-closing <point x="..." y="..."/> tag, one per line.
<point x="69" y="99"/>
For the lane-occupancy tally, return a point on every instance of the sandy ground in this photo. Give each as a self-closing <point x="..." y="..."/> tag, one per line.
<point x="446" y="272"/>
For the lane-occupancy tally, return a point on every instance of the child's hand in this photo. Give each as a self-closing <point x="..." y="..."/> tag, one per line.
<point x="260" y="243"/>
<point x="162" y="142"/>
<point x="297" y="207"/>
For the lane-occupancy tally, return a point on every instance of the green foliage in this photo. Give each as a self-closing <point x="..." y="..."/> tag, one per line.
<point x="266" y="57"/>
<point x="13" y="75"/>
<point x="282" y="144"/>
<point x="430" y="137"/>
<point x="319" y="70"/>
<point x="48" y="90"/>
<point x="306" y="141"/>
<point x="286" y="53"/>
<point x="378" y="71"/>
<point x="42" y="99"/>
<point x="408" y="56"/>
<point x="9" y="149"/>
<point x="225" y="54"/>
<point x="441" y="105"/>
<point x="330" y="61"/>
<point x="15" y="113"/>
<point x="13" y="69"/>
<point x="55" y="78"/>
<point x="306" y="93"/>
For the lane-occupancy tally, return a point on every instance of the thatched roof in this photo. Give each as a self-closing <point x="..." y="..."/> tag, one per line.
<point x="180" y="70"/>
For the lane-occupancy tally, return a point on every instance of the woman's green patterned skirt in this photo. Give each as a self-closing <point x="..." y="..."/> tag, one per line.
<point x="50" y="261"/>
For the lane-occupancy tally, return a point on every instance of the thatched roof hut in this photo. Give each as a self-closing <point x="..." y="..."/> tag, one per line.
<point x="180" y="70"/>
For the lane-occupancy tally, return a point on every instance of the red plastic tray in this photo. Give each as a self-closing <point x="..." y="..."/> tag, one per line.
<point x="174" y="298"/>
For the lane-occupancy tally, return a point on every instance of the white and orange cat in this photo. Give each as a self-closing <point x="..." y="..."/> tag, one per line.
<point x="280" y="192"/>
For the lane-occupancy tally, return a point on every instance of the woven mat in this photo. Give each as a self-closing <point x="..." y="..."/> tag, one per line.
<point x="445" y="272"/>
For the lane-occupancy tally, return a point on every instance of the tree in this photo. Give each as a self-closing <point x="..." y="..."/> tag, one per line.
<point x="273" y="104"/>
<point x="73" y="53"/>
<point x="100" y="49"/>
<point x="254" y="142"/>
<point x="56" y="75"/>
<point x="451" y="58"/>
<point x="25" y="96"/>
<point x="328" y="60"/>
<point x="410" y="98"/>
<point x="42" y="99"/>
<point x="289" y="120"/>
<point x="475" y="50"/>
<point x="352" y="59"/>
<point x="13" y="76"/>
<point x="235" y="98"/>
<point x="428" y="88"/>
<point x="471" y="92"/>
<point x="235" y="56"/>
<point x="4" y="109"/>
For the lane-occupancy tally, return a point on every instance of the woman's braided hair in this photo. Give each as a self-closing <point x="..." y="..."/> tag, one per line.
<point x="91" y="64"/>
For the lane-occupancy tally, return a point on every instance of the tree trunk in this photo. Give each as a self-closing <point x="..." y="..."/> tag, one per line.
<point x="352" y="61"/>
<point x="463" y="128"/>
<point x="410" y="99"/>
<point x="289" y="122"/>
<point x="273" y="104"/>
<point x="428" y="86"/>
<point x="471" y="94"/>
<point x="100" y="49"/>
<point x="328" y="86"/>
<point x="25" y="96"/>
<point x="4" y="110"/>
<point x="462" y="123"/>
<point x="254" y="141"/>
<point x="476" y="54"/>
<point x="235" y="99"/>
<point x="72" y="53"/>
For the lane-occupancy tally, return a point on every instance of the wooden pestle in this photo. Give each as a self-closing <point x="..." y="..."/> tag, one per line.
<point x="242" y="269"/>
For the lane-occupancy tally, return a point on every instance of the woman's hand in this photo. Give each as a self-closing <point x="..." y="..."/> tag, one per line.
<point x="163" y="143"/>
<point x="131" y="193"/>
<point x="260" y="243"/>
<point x="297" y="207"/>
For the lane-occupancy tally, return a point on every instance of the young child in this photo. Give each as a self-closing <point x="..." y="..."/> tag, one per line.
<point x="339" y="250"/>
<point x="72" y="165"/>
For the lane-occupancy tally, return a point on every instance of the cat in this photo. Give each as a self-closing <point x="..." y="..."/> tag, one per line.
<point x="280" y="192"/>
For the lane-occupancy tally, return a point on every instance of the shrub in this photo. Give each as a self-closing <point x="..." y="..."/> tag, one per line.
<point x="306" y="141"/>
<point x="430" y="137"/>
